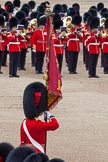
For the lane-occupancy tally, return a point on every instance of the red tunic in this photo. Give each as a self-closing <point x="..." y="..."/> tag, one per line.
<point x="2" y="42"/>
<point x="37" y="129"/>
<point x="59" y="44"/>
<point x="39" y="40"/>
<point x="93" y="44"/>
<point x="104" y="44"/>
<point x="14" y="43"/>
<point x="23" y="42"/>
<point x="73" y="42"/>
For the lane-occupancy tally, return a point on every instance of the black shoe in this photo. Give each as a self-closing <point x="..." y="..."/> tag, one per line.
<point x="70" y="72"/>
<point x="37" y="72"/>
<point x="19" y="68"/>
<point x="10" y="76"/>
<point x="75" y="72"/>
<point x="4" y="65"/>
<point x="32" y="65"/>
<point x="17" y="76"/>
<point x="41" y="72"/>
<point x="1" y="72"/>
<point x="90" y="76"/>
<point x="23" y="68"/>
<point x="105" y="72"/>
<point x="96" y="76"/>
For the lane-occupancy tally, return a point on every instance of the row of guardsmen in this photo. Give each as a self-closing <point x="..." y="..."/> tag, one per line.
<point x="68" y="33"/>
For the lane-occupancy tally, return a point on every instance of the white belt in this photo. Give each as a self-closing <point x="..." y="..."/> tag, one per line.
<point x="93" y="44"/>
<point x="1" y="41"/>
<point x="14" y="43"/>
<point x="72" y="39"/>
<point x="58" y="45"/>
<point x="23" y="40"/>
<point x="105" y="43"/>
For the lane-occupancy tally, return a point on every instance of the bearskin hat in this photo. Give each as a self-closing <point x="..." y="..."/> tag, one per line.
<point x="76" y="20"/>
<point x="103" y="10"/>
<point x="24" y="22"/>
<point x="44" y="156"/>
<point x="93" y="12"/>
<point x="34" y="100"/>
<point x="33" y="15"/>
<point x="56" y="17"/>
<point x="64" y="8"/>
<point x="2" y="20"/>
<point x="25" y="10"/>
<point x="41" y="9"/>
<point x="77" y="6"/>
<point x="106" y="24"/>
<point x="100" y="6"/>
<point x="20" y="15"/>
<point x="16" y="3"/>
<point x="6" y="15"/>
<point x="19" y="154"/>
<point x="7" y="2"/>
<point x="56" y="160"/>
<point x="32" y="4"/>
<point x="33" y="157"/>
<point x="93" y="7"/>
<point x="57" y="24"/>
<point x="57" y="8"/>
<point x="5" y="149"/>
<point x="13" y="22"/>
<point x="86" y="15"/>
<point x="9" y="7"/>
<point x="26" y="5"/>
<point x="94" y="23"/>
<point x="41" y="21"/>
<point x="45" y="3"/>
<point x="71" y="11"/>
<point x="105" y="15"/>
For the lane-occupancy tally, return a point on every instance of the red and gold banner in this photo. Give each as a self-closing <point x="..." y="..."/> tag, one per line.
<point x="53" y="76"/>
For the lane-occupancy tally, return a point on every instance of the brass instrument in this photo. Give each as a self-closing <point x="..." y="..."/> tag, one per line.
<point x="33" y="24"/>
<point x="67" y="22"/>
<point x="102" y="21"/>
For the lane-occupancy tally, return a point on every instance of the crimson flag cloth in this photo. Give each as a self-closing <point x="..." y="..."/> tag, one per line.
<point x="53" y="79"/>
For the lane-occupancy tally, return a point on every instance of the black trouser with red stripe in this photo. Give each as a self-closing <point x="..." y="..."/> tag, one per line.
<point x="93" y="59"/>
<point x="60" y="61"/>
<point x="22" y="58"/>
<point x="73" y="59"/>
<point x="13" y="62"/>
<point x="39" y="61"/>
<point x="105" y="57"/>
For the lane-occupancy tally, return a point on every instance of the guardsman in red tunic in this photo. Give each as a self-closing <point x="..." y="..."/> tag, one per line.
<point x="59" y="39"/>
<point x="85" y="34"/>
<point x="2" y="41"/>
<point x="73" y="44"/>
<point x="13" y="47"/>
<point x="93" y="45"/>
<point x="23" y="44"/>
<point x="104" y="46"/>
<point x="33" y="130"/>
<point x="38" y="41"/>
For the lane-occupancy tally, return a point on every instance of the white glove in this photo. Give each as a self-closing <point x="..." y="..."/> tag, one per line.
<point x="33" y="50"/>
<point x="48" y="114"/>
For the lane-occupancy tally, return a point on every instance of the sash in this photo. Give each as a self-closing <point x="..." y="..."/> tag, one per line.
<point x="34" y="143"/>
